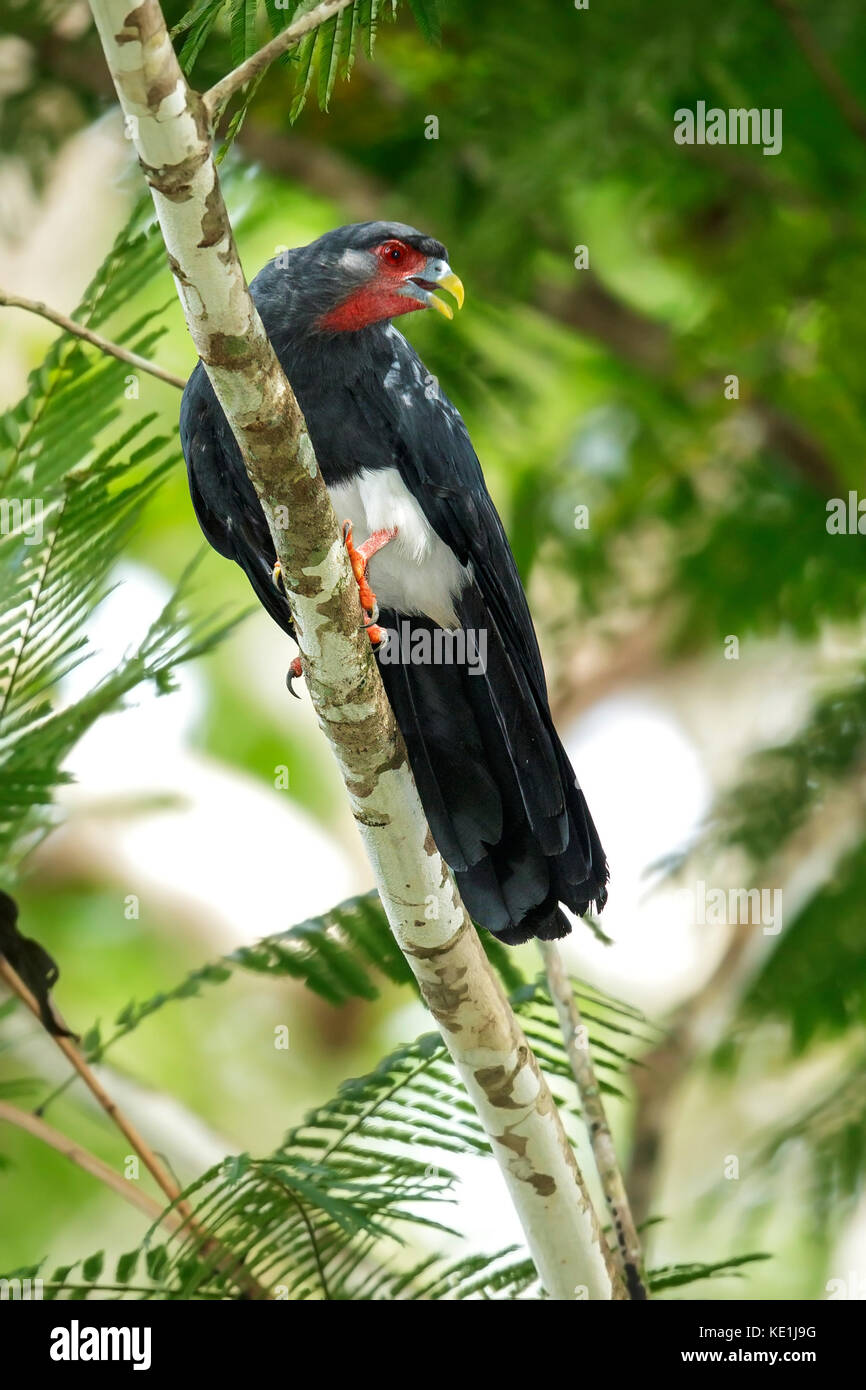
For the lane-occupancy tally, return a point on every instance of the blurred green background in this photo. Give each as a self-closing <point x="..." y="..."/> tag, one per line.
<point x="702" y="628"/>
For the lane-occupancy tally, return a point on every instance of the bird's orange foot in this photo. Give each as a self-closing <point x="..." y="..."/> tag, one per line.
<point x="359" y="558"/>
<point x="277" y="578"/>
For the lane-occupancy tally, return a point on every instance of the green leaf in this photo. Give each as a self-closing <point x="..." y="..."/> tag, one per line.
<point x="198" y="24"/>
<point x="156" y="1260"/>
<point x="303" y="73"/>
<point x="14" y="1087"/>
<point x="242" y="29"/>
<point x="93" y="460"/>
<point x="347" y="954"/>
<point x="126" y="1266"/>
<point x="678" y="1276"/>
<point x="277" y="17"/>
<point x="235" y="1167"/>
<point x="426" y="14"/>
<point x="346" y="42"/>
<point x="93" y="1266"/>
<point x="193" y="16"/>
<point x="329" y="57"/>
<point x="368" y="23"/>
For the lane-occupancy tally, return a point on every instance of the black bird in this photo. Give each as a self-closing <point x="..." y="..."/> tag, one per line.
<point x="500" y="794"/>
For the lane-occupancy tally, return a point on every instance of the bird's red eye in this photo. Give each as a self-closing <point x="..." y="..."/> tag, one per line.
<point x="392" y="252"/>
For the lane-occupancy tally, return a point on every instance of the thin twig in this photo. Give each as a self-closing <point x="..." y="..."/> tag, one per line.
<point x="227" y="1262"/>
<point x="84" y="1159"/>
<point x="628" y="1247"/>
<point x="221" y="93"/>
<point x="34" y="306"/>
<point x="829" y="76"/>
<point x="74" y="1055"/>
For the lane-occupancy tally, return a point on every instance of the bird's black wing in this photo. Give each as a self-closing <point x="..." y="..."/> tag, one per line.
<point x="224" y="499"/>
<point x="462" y="729"/>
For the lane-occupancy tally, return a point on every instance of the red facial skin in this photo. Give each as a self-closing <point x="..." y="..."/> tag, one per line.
<point x="379" y="298"/>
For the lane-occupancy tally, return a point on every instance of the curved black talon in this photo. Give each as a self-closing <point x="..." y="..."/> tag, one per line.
<point x="294" y="672"/>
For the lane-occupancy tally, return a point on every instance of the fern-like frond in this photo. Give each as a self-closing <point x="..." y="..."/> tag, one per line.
<point x="348" y="952"/>
<point x="243" y="29"/>
<point x="813" y="976"/>
<point x="334" y="1201"/>
<point x="327" y="52"/>
<point x="195" y="27"/>
<point x="426" y="14"/>
<point x="328" y="1213"/>
<point x="81" y="457"/>
<point x="32" y="753"/>
<point x="678" y="1276"/>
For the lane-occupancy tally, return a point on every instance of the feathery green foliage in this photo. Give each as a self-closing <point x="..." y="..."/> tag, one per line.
<point x="678" y="1276"/>
<point x="815" y="981"/>
<point x="326" y="1215"/>
<point x="347" y="954"/>
<point x="329" y="50"/>
<point x="69" y="506"/>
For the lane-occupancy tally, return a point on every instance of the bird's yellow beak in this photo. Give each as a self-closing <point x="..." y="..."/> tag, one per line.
<point x="440" y="274"/>
<point x="454" y="285"/>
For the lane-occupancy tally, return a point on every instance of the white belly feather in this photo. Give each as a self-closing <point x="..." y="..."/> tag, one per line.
<point x="414" y="573"/>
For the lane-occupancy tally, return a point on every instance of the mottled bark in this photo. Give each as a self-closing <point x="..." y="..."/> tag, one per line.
<point x="171" y="129"/>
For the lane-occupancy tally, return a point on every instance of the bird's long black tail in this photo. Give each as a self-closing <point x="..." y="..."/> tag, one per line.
<point x="496" y="784"/>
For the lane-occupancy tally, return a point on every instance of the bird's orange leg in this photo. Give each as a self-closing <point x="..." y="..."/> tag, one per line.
<point x="359" y="557"/>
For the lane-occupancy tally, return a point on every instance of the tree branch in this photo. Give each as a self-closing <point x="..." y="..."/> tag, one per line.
<point x="576" y="1039"/>
<point x="73" y="1054"/>
<point x="35" y="306"/>
<point x="89" y="1163"/>
<point x="512" y="1099"/>
<point x="222" y="92"/>
<point x="231" y="1264"/>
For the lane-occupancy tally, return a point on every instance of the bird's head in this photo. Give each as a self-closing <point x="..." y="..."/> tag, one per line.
<point x="370" y="272"/>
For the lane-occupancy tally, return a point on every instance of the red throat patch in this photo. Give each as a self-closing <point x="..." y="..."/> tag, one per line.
<point x="379" y="298"/>
<point x="369" y="304"/>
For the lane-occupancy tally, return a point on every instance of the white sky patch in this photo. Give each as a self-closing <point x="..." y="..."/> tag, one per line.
<point x="648" y="792"/>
